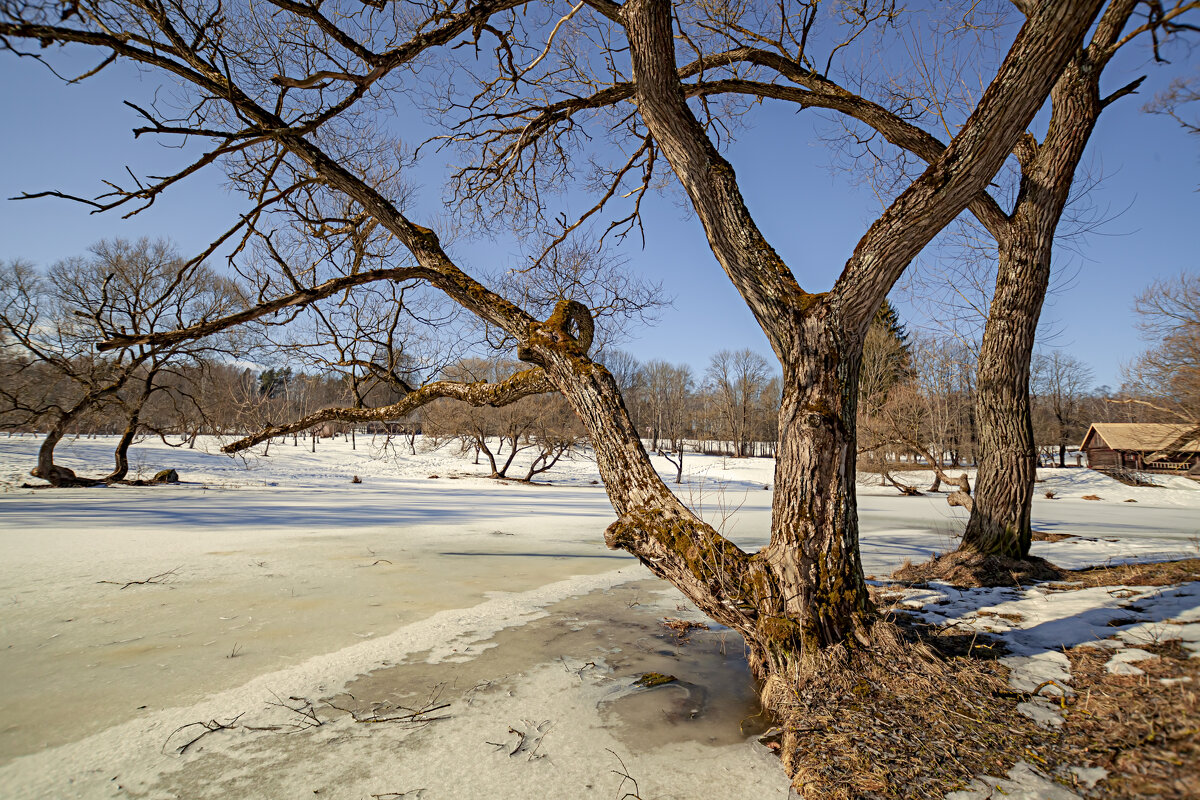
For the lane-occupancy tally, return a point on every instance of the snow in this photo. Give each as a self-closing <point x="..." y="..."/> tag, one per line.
<point x="1023" y="783"/>
<point x="278" y="577"/>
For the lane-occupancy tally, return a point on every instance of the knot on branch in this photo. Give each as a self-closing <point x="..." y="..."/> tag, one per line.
<point x="570" y="326"/>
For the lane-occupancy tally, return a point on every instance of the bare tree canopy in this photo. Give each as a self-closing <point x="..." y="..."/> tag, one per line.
<point x="298" y="120"/>
<point x="51" y="323"/>
<point x="1168" y="373"/>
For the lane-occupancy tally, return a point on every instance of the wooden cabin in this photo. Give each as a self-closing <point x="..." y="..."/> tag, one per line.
<point x="1144" y="446"/>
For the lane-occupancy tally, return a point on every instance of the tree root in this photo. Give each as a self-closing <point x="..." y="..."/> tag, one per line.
<point x="894" y="719"/>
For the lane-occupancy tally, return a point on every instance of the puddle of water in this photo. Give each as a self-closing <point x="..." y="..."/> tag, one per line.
<point x="618" y="632"/>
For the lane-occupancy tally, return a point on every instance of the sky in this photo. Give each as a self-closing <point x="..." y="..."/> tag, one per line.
<point x="70" y="138"/>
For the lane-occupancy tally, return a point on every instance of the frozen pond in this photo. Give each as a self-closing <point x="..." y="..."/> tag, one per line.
<point x="285" y="579"/>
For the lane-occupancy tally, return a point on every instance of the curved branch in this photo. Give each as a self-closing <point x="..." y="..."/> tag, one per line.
<point x="522" y="384"/>
<point x="891" y="126"/>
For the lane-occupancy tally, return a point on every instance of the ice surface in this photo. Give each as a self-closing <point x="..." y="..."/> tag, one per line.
<point x="282" y="578"/>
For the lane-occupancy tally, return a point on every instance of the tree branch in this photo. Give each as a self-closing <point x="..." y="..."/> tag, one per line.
<point x="522" y="384"/>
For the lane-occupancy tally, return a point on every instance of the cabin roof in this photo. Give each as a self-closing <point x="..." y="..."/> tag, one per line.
<point x="1146" y="436"/>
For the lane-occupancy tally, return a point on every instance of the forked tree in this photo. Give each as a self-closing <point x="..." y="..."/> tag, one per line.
<point x="288" y="133"/>
<point x="1024" y="235"/>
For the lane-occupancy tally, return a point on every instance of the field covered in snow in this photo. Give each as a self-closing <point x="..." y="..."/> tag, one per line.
<point x="431" y="633"/>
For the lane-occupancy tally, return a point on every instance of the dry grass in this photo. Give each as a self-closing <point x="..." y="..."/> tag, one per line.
<point x="1144" y="732"/>
<point x="1042" y="536"/>
<point x="682" y="628"/>
<point x="919" y="711"/>
<point x="897" y="718"/>
<point x="914" y="718"/>
<point x="965" y="569"/>
<point x="1161" y="573"/>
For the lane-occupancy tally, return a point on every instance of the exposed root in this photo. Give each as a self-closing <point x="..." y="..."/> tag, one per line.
<point x="895" y="719"/>
<point x="967" y="569"/>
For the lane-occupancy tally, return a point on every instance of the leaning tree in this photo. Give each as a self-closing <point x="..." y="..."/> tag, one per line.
<point x="295" y="119"/>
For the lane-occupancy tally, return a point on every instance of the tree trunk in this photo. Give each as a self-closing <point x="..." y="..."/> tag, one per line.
<point x="813" y="553"/>
<point x="1000" y="513"/>
<point x="1000" y="516"/>
<point x="131" y="427"/>
<point x="46" y="469"/>
<point x="805" y="590"/>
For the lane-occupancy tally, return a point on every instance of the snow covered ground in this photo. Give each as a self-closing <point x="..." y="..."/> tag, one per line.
<point x="276" y="585"/>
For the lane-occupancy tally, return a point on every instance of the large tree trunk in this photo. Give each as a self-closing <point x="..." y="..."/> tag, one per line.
<point x="1000" y="515"/>
<point x="805" y="590"/>
<point x="813" y="554"/>
<point x="1000" y="511"/>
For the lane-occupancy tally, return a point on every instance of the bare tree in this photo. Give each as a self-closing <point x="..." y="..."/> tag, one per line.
<point x="737" y="380"/>
<point x="556" y="432"/>
<point x="1061" y="384"/>
<point x="1000" y="510"/>
<point x="53" y="323"/>
<point x="290" y="133"/>
<point x="668" y="390"/>
<point x="1182" y="92"/>
<point x="1166" y="377"/>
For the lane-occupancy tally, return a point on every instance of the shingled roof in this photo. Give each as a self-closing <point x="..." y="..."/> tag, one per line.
<point x="1146" y="436"/>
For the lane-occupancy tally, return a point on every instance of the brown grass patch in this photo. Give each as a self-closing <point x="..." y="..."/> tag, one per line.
<point x="919" y="711"/>
<point x="1145" y="733"/>
<point x="682" y="628"/>
<point x="965" y="569"/>
<point x="1042" y="536"/>
<point x="898" y="719"/>
<point x="1159" y="573"/>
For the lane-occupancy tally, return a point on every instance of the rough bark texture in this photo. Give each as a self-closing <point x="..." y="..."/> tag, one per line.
<point x="1001" y="509"/>
<point x="813" y="553"/>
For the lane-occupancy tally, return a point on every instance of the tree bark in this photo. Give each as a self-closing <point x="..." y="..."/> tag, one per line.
<point x="1000" y="512"/>
<point x="1000" y="521"/>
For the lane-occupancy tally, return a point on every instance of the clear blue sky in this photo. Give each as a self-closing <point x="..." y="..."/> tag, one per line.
<point x="69" y="138"/>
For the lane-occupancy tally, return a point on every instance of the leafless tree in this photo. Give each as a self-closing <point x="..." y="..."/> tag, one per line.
<point x="668" y="389"/>
<point x="556" y="432"/>
<point x="1061" y="384"/>
<point x="289" y="128"/>
<point x="1024" y="240"/>
<point x="1182" y="92"/>
<point x="54" y="321"/>
<point x="737" y="380"/>
<point x="1166" y="377"/>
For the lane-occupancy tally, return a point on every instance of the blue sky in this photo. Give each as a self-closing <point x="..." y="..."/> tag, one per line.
<point x="69" y="138"/>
